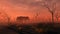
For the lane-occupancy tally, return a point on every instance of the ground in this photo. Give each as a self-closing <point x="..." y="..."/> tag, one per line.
<point x="40" y="28"/>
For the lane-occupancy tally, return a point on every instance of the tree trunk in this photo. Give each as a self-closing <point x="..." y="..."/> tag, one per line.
<point x="52" y="18"/>
<point x="57" y="20"/>
<point x="9" y="21"/>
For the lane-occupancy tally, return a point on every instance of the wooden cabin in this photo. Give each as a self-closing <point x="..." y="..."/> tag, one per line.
<point x="22" y="19"/>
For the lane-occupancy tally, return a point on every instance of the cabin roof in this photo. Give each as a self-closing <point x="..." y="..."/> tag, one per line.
<point x="22" y="18"/>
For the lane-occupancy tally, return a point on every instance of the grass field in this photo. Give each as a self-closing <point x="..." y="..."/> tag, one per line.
<point x="40" y="28"/>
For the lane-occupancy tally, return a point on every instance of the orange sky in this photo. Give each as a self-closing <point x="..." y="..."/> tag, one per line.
<point x="29" y="8"/>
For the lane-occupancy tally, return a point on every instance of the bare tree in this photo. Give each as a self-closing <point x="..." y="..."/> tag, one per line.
<point x="6" y="15"/>
<point x="37" y="13"/>
<point x="50" y="5"/>
<point x="57" y="15"/>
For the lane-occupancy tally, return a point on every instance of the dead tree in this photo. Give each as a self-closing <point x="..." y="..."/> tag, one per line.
<point x="57" y="15"/>
<point x="5" y="15"/>
<point x="37" y="13"/>
<point x="50" y="5"/>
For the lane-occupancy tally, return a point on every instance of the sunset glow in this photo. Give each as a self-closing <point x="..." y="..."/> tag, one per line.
<point x="28" y="8"/>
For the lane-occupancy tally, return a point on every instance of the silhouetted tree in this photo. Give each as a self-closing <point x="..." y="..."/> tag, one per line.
<point x="8" y="18"/>
<point x="50" y="5"/>
<point x="37" y="14"/>
<point x="4" y="18"/>
<point x="5" y="14"/>
<point x="57" y="15"/>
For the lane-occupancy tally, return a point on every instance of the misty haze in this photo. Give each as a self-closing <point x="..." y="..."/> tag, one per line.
<point x="29" y="16"/>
